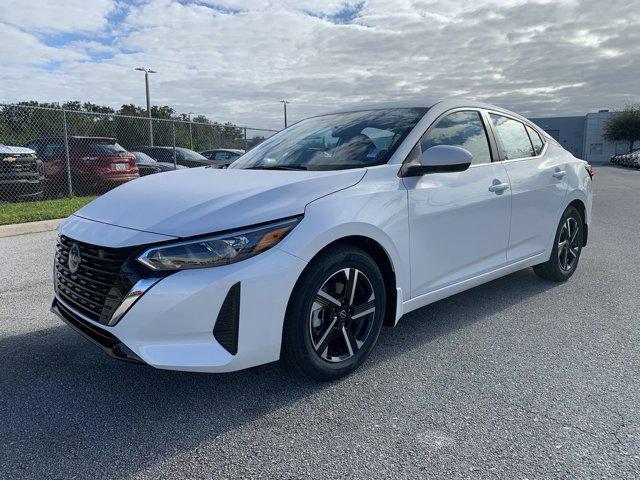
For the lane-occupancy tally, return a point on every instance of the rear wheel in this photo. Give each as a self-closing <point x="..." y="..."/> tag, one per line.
<point x="566" y="248"/>
<point x="335" y="314"/>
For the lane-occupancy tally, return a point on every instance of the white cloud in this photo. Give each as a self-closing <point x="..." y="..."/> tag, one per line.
<point x="19" y="48"/>
<point x="234" y="60"/>
<point x="57" y="15"/>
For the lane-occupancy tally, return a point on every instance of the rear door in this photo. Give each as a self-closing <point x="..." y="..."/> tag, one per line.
<point x="538" y="186"/>
<point x="459" y="221"/>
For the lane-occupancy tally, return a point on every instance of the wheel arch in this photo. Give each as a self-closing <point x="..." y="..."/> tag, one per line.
<point x="382" y="259"/>
<point x="582" y="209"/>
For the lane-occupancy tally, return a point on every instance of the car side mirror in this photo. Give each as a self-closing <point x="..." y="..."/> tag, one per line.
<point x="440" y="159"/>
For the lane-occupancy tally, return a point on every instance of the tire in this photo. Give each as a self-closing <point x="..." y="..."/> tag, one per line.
<point x="316" y="330"/>
<point x="566" y="251"/>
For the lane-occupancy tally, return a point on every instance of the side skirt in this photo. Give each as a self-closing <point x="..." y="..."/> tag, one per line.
<point x="444" y="292"/>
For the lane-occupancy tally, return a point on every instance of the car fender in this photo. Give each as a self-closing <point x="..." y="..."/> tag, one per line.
<point x="377" y="210"/>
<point x="580" y="187"/>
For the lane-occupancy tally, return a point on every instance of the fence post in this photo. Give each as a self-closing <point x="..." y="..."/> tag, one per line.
<point x="173" y="125"/>
<point x="190" y="135"/>
<point x="66" y="151"/>
<point x="246" y="145"/>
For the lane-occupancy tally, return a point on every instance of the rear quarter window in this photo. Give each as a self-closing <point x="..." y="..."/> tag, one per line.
<point x="536" y="141"/>
<point x="108" y="148"/>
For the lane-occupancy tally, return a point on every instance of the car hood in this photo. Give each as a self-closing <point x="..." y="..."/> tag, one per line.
<point x="7" y="150"/>
<point x="197" y="201"/>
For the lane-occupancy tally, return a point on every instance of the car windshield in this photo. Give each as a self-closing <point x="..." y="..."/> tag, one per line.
<point x="190" y="154"/>
<point x="106" y="146"/>
<point x="335" y="142"/>
<point x="143" y="158"/>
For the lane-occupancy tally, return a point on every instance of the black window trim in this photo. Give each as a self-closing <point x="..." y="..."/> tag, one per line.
<point x="527" y="128"/>
<point x="502" y="157"/>
<point x="494" y="150"/>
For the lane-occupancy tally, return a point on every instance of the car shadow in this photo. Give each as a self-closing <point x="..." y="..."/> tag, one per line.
<point x="70" y="411"/>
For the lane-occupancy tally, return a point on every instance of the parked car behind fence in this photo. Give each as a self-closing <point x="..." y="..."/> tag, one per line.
<point x="147" y="165"/>
<point x="89" y="152"/>
<point x="183" y="156"/>
<point x="97" y="164"/>
<point x="223" y="157"/>
<point x="21" y="174"/>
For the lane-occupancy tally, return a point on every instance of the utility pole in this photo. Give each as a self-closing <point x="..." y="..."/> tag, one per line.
<point x="147" y="71"/>
<point x="284" y="104"/>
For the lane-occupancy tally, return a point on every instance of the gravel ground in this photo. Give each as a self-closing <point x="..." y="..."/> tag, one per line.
<point x="518" y="378"/>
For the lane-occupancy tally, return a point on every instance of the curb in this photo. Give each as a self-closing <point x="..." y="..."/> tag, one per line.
<point x="31" y="227"/>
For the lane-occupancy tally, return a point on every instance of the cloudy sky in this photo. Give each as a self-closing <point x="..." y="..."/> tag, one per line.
<point x="234" y="60"/>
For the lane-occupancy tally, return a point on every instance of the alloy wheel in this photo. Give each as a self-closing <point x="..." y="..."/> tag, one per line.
<point x="342" y="315"/>
<point x="568" y="244"/>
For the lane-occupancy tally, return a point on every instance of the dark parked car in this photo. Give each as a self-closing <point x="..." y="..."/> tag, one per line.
<point x="184" y="156"/>
<point x="21" y="174"/>
<point x="223" y="157"/>
<point x="147" y="165"/>
<point x="97" y="163"/>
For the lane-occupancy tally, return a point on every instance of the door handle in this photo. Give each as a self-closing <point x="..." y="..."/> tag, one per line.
<point x="498" y="187"/>
<point x="559" y="173"/>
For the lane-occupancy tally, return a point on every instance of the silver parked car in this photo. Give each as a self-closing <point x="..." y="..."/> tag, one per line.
<point x="223" y="157"/>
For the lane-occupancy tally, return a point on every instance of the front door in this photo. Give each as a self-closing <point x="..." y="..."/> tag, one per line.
<point x="458" y="222"/>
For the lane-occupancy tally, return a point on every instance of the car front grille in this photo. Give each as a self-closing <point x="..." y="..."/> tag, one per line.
<point x="98" y="285"/>
<point x="18" y="164"/>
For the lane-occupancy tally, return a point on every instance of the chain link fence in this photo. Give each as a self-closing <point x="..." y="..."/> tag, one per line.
<point x="48" y="153"/>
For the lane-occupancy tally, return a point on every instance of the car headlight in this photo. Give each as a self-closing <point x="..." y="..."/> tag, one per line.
<point x="217" y="250"/>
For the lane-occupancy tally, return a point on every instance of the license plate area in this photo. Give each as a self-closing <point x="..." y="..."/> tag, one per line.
<point x="119" y="167"/>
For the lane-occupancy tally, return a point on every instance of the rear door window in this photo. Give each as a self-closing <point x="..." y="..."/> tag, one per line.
<point x="513" y="137"/>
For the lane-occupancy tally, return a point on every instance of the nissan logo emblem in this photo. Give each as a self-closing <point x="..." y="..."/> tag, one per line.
<point x="74" y="258"/>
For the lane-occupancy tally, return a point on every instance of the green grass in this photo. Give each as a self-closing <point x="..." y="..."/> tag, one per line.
<point x="43" y="210"/>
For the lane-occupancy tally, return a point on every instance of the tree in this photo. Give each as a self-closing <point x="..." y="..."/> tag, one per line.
<point x="624" y="126"/>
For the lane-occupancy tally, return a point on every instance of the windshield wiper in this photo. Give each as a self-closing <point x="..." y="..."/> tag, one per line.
<point x="277" y="167"/>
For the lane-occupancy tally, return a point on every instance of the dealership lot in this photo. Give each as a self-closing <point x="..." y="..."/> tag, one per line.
<point x="518" y="378"/>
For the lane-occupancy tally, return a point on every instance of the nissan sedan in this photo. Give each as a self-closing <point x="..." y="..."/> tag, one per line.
<point x="310" y="243"/>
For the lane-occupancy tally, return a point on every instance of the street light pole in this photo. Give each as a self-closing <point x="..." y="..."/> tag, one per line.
<point x="284" y="104"/>
<point x="147" y="71"/>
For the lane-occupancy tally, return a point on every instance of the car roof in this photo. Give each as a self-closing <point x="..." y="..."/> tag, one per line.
<point x="453" y="102"/>
<point x="232" y="150"/>
<point x="76" y="137"/>
<point x="162" y="147"/>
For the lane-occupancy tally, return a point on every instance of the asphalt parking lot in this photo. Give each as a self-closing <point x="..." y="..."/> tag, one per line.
<point x="518" y="378"/>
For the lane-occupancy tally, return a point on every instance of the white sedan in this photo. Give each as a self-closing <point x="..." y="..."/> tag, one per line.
<point x="311" y="242"/>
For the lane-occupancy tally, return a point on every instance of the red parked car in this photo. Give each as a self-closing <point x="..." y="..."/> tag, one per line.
<point x="97" y="163"/>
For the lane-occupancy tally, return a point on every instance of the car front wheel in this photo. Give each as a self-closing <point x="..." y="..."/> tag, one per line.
<point x="335" y="314"/>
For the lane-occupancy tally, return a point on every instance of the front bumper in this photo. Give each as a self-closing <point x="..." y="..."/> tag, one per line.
<point x="171" y="326"/>
<point x="24" y="187"/>
<point x="111" y="345"/>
